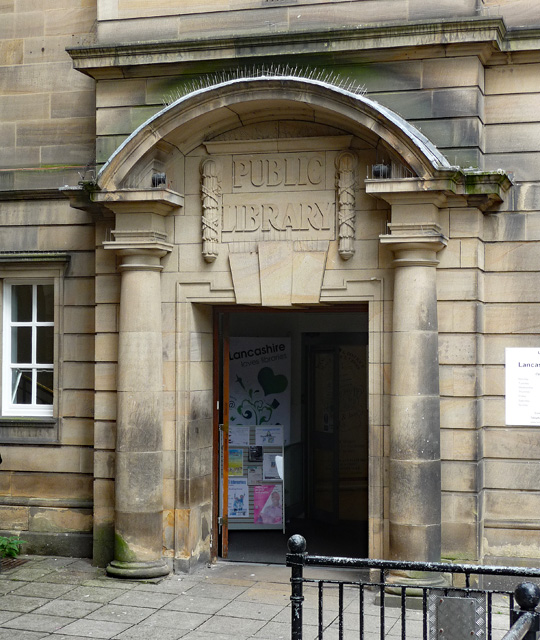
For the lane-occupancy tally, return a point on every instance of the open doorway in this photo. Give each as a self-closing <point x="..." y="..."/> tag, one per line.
<point x="323" y="416"/>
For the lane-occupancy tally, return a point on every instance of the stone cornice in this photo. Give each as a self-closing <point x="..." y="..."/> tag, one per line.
<point x="98" y="60"/>
<point x="481" y="189"/>
<point x="159" y="201"/>
<point x="30" y="194"/>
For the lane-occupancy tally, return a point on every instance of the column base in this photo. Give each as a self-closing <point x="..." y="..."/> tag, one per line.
<point x="138" y="570"/>
<point x="414" y="582"/>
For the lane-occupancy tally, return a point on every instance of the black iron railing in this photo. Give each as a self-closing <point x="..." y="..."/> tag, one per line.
<point x="394" y="600"/>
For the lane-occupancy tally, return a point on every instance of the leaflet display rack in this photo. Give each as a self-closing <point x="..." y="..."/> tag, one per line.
<point x="255" y="477"/>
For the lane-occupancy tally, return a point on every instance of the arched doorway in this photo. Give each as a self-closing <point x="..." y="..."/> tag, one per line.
<point x="274" y="192"/>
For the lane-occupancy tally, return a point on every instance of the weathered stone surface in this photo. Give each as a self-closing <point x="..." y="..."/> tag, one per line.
<point x="513" y="79"/>
<point x="122" y="120"/>
<point x="512" y="256"/>
<point x="78" y="404"/>
<point x="104" y="435"/>
<point x="506" y="474"/>
<point x="512" y="318"/>
<point x="512" y="443"/>
<point x="521" y="165"/>
<point x="111" y="93"/>
<point x="457" y="132"/>
<point x="459" y="476"/>
<point x="62" y="459"/>
<point x="452" y="72"/>
<point x="459" y="444"/>
<point x="15" y="518"/>
<point x="59" y="520"/>
<point x="459" y="317"/>
<point x="504" y="505"/>
<point x="457" y="285"/>
<point x="508" y="138"/>
<point x="51" y="484"/>
<point x="458" y="381"/>
<point x="79" y="319"/>
<point x="79" y="375"/>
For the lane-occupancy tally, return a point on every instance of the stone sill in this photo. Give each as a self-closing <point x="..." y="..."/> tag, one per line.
<point x="34" y="430"/>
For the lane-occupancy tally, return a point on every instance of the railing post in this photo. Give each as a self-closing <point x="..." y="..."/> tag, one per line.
<point x="296" y="560"/>
<point x="527" y="595"/>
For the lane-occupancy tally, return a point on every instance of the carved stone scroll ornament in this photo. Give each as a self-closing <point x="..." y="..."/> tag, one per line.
<point x="346" y="163"/>
<point x="211" y="205"/>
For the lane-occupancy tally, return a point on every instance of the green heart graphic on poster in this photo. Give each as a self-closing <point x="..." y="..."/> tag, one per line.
<point x="270" y="382"/>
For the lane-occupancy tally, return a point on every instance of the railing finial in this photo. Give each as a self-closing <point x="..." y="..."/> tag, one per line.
<point x="296" y="543"/>
<point x="527" y="595"/>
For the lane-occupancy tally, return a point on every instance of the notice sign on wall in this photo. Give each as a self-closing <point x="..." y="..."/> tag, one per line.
<point x="522" y="372"/>
<point x="260" y="388"/>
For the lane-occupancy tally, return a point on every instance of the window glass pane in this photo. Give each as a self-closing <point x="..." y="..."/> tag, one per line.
<point x="45" y="303"/>
<point x="21" y="303"/>
<point x="44" y="348"/>
<point x="21" y="344"/>
<point x="44" y="391"/>
<point x="21" y="386"/>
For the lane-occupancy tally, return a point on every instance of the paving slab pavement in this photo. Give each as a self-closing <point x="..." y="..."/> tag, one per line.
<point x="69" y="599"/>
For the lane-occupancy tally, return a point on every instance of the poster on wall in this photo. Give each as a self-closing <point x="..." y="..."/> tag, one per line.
<point x="268" y="504"/>
<point x="260" y="387"/>
<point x="238" y="498"/>
<point x="254" y="474"/>
<point x="238" y="436"/>
<point x="522" y="393"/>
<point x="269" y="436"/>
<point x="272" y="466"/>
<point x="236" y="462"/>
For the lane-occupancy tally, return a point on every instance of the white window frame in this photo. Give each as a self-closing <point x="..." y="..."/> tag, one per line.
<point x="10" y="408"/>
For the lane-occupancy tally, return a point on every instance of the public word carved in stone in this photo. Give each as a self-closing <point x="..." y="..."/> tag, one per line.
<point x="211" y="205"/>
<point x="346" y="163"/>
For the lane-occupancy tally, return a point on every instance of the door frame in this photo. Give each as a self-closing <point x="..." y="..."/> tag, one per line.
<point x="220" y="407"/>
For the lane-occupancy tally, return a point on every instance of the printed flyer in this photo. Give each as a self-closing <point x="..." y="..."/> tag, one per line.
<point x="254" y="474"/>
<point x="267" y="504"/>
<point x="260" y="389"/>
<point x="238" y="498"/>
<point x="272" y="466"/>
<point x="269" y="436"/>
<point x="238" y="436"/>
<point x="236" y="462"/>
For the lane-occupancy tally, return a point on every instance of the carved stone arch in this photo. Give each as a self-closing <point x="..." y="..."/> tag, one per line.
<point x="206" y="113"/>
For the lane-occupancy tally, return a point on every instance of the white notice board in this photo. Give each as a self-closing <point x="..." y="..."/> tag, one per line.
<point x="522" y="375"/>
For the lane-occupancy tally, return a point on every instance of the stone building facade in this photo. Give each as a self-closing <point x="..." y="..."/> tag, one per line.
<point x="172" y="174"/>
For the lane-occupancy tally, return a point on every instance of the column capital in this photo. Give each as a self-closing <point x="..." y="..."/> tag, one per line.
<point x="144" y="244"/>
<point x="139" y="258"/>
<point x="140" y="223"/>
<point x="414" y="245"/>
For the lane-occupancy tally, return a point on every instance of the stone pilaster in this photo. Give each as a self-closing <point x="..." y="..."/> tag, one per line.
<point x="140" y="243"/>
<point x="415" y="464"/>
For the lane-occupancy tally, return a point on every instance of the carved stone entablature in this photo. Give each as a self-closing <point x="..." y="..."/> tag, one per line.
<point x="212" y="208"/>
<point x="346" y="163"/>
<point x="272" y="190"/>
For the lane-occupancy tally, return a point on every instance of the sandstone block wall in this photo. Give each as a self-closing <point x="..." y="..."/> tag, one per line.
<point x="157" y="19"/>
<point x="46" y="479"/>
<point x="47" y="108"/>
<point x="478" y="107"/>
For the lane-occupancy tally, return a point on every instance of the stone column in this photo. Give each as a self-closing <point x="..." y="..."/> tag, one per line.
<point x="139" y="466"/>
<point x="415" y="461"/>
<point x="140" y="243"/>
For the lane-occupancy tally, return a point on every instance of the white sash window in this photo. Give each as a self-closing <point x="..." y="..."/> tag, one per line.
<point x="28" y="348"/>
